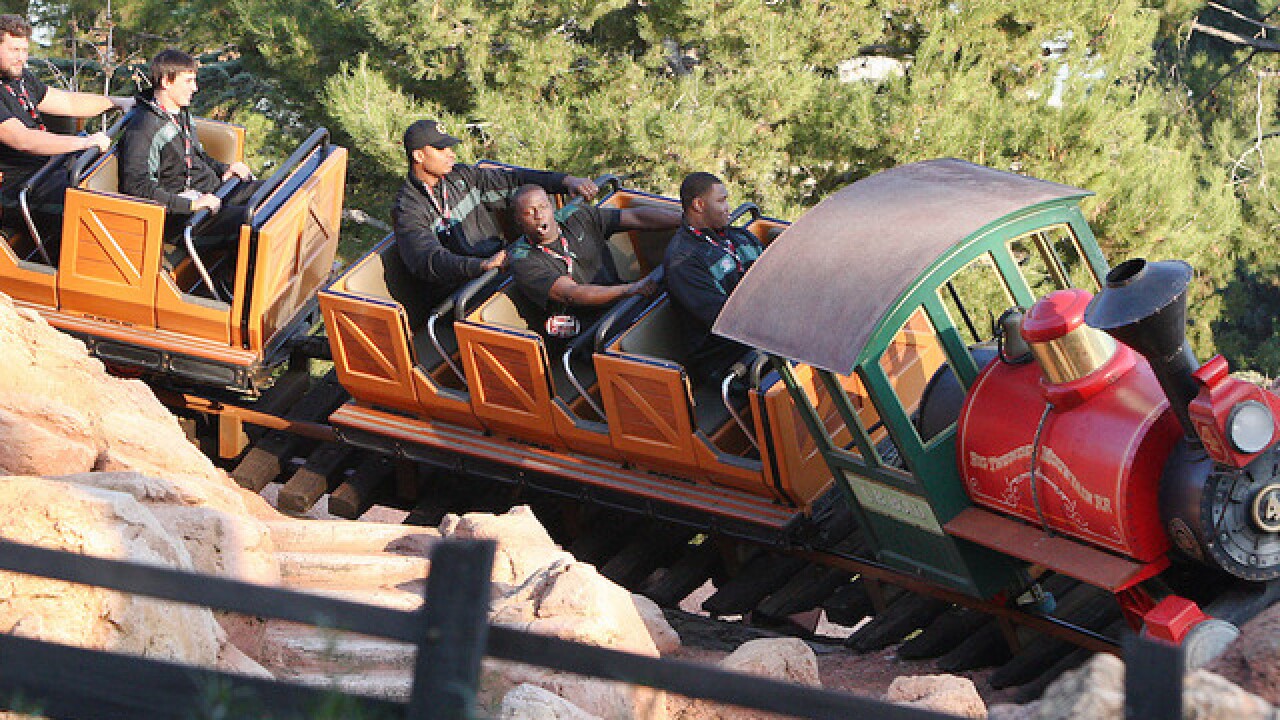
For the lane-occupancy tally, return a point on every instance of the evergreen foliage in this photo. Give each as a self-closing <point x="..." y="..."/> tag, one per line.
<point x="1169" y="127"/>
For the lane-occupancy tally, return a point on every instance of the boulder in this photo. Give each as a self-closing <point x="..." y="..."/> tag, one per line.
<point x="1096" y="691"/>
<point x="1093" y="691"/>
<point x="786" y="659"/>
<point x="664" y="637"/>
<point x="1207" y="695"/>
<point x="942" y="693"/>
<point x="570" y="600"/>
<point x="530" y="702"/>
<point x="61" y="412"/>
<point x="1253" y="660"/>
<point x="103" y="523"/>
<point x="524" y="546"/>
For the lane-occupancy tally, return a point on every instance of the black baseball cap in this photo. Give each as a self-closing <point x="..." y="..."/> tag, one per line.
<point x="427" y="132"/>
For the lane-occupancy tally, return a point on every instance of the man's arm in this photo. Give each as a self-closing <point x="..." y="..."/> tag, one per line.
<point x="18" y="136"/>
<point x="649" y="218"/>
<point x="78" y="104"/>
<point x="566" y="290"/>
<point x="427" y="258"/>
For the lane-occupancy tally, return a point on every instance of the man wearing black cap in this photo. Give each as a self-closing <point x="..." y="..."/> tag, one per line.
<point x="443" y="215"/>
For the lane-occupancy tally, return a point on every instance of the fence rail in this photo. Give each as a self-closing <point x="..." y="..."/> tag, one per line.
<point x="451" y="633"/>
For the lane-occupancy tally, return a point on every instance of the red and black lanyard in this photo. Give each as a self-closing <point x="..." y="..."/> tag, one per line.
<point x="187" y="149"/>
<point x="722" y="241"/>
<point x="564" y="253"/>
<point x="25" y="101"/>
<point x="441" y="208"/>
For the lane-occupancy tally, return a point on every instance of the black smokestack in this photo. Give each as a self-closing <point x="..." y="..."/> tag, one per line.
<point x="1144" y="306"/>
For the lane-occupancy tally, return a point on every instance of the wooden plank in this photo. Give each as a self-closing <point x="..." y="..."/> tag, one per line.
<point x="311" y="481"/>
<point x="70" y="682"/>
<point x="455" y="625"/>
<point x="1057" y="553"/>
<point x="356" y="494"/>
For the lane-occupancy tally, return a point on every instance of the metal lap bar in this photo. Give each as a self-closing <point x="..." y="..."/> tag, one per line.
<point x="25" y="205"/>
<point x="573" y="378"/>
<point x="435" y="340"/>
<point x="188" y="236"/>
<point x="738" y="370"/>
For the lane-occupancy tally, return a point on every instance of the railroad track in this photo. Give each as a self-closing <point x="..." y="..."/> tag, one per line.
<point x="283" y="438"/>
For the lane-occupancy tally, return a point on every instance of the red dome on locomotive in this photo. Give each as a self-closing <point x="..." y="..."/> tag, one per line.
<point x="1090" y="416"/>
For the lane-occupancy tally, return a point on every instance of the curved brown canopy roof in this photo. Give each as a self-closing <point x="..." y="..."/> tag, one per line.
<point x="819" y="290"/>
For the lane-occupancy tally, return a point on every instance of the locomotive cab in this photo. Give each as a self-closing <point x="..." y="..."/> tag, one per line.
<point x="930" y="254"/>
<point x="149" y="304"/>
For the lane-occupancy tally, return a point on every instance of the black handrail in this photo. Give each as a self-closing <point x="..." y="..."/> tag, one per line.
<point x="604" y="328"/>
<point x="608" y="179"/>
<point x="468" y="292"/>
<point x="318" y="139"/>
<point x="746" y="207"/>
<point x="90" y="155"/>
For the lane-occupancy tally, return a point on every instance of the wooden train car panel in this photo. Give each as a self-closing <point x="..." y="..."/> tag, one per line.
<point x="295" y="250"/>
<point x="24" y="275"/>
<point x="376" y="319"/>
<point x="110" y="255"/>
<point x="646" y="393"/>
<point x="507" y="371"/>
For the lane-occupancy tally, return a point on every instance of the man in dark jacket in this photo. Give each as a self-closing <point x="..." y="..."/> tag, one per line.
<point x="25" y="144"/>
<point x="704" y="262"/>
<point x="161" y="158"/>
<point x="444" y="213"/>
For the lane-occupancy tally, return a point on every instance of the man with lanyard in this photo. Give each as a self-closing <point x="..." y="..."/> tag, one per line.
<point x="704" y="262"/>
<point x="25" y="143"/>
<point x="161" y="157"/>
<point x="562" y="264"/>
<point x="443" y="215"/>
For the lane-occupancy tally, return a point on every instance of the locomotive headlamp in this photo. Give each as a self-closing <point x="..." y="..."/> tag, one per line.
<point x="1250" y="426"/>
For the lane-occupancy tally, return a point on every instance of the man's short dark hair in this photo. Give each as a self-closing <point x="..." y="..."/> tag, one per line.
<point x="523" y="192"/>
<point x="167" y="63"/>
<point x="696" y="185"/>
<point x="15" y="25"/>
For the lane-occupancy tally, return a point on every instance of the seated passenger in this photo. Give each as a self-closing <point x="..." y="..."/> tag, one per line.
<point x="443" y="214"/>
<point x="25" y="144"/>
<point x="562" y="264"/>
<point x="704" y="262"/>
<point x="161" y="158"/>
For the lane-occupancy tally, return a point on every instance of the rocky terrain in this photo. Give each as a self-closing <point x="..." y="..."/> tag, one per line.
<point x="94" y="464"/>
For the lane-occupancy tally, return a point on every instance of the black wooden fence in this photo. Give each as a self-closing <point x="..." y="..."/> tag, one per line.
<point x="451" y="633"/>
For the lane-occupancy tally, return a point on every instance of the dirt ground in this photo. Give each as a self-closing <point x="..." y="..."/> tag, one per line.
<point x="708" y="641"/>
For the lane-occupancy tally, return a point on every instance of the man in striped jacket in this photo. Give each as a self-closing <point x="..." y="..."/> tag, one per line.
<point x="444" y="215"/>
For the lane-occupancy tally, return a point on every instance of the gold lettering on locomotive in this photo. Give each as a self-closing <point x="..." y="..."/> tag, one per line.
<point x="1047" y="458"/>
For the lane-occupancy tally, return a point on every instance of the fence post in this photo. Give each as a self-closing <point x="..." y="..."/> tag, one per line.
<point x="455" y="616"/>
<point x="1152" y="680"/>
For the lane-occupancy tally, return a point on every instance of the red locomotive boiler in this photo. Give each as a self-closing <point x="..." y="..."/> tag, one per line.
<point x="1128" y="446"/>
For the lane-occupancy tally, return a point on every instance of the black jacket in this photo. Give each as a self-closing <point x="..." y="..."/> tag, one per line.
<point x="153" y="157"/>
<point x="446" y="253"/>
